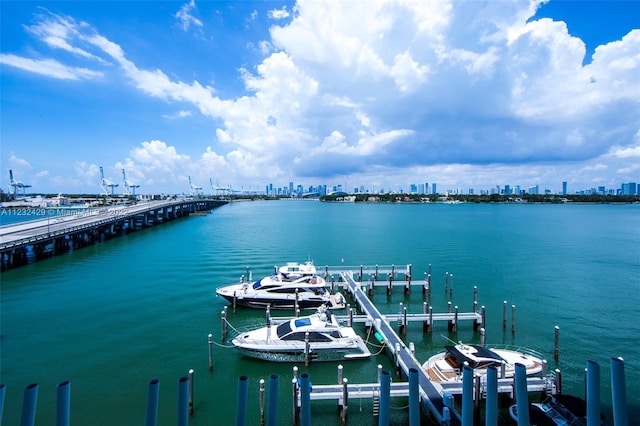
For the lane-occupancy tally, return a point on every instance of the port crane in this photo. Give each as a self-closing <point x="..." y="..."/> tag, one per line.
<point x="15" y="186"/>
<point x="218" y="189"/>
<point x="106" y="184"/>
<point x="195" y="189"/>
<point x="129" y="188"/>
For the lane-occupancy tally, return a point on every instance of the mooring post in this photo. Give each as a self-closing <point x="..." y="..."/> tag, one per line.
<point x="153" y="392"/>
<point x="183" y="401"/>
<point x="482" y="336"/>
<point x="513" y="319"/>
<point x="446" y="282"/>
<point x="3" y="388"/>
<point x="191" y="391"/>
<point x="223" y="325"/>
<point x="491" y="406"/>
<point x="295" y="409"/>
<point x="430" y="328"/>
<point x="62" y="403"/>
<point x="385" y="398"/>
<point x="340" y="368"/>
<point x="210" y="344"/>
<point x="261" y="400"/>
<point x="475" y="297"/>
<point x="345" y="401"/>
<point x="272" y="413"/>
<point x="414" y="397"/>
<point x="618" y="393"/>
<point x="306" y="349"/>
<point x="504" y="315"/>
<point x="241" y="404"/>
<point x="521" y="394"/>
<point x="234" y="302"/>
<point x="29" y="401"/>
<point x="467" y="396"/>
<point x="305" y="399"/>
<point x="556" y="343"/>
<point x="593" y="393"/>
<point x="424" y="286"/>
<point x="558" y="381"/>
<point x="451" y="286"/>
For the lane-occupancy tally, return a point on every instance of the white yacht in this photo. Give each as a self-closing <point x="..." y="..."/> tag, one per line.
<point x="295" y="285"/>
<point x="447" y="366"/>
<point x="319" y="337"/>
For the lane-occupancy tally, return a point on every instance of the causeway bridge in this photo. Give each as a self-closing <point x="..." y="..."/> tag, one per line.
<point x="61" y="230"/>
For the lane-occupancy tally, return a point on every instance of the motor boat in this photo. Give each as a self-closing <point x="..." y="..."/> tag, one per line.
<point x="294" y="286"/>
<point x="447" y="366"/>
<point x="317" y="337"/>
<point x="567" y="410"/>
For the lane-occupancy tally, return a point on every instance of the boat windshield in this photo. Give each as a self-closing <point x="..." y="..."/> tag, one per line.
<point x="257" y="284"/>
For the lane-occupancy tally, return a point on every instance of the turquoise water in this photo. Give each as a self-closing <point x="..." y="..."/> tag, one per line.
<point x="113" y="316"/>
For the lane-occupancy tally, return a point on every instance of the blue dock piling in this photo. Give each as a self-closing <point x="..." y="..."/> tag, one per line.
<point x="467" y="396"/>
<point x="491" y="411"/>
<point x="2" y="389"/>
<point x="385" y="398"/>
<point x="522" y="396"/>
<point x="593" y="393"/>
<point x="151" y="418"/>
<point x="618" y="393"/>
<point x="183" y="401"/>
<point x="241" y="404"/>
<point x="305" y="400"/>
<point x="272" y="414"/>
<point x="414" y="397"/>
<point x="29" y="401"/>
<point x="63" y="400"/>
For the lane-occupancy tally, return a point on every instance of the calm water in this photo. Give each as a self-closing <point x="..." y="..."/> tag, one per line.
<point x="113" y="316"/>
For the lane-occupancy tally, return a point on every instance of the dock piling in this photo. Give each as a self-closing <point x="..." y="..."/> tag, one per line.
<point x="414" y="397"/>
<point x="305" y="400"/>
<point x="513" y="319"/>
<point x="3" y="388"/>
<point x="183" y="401"/>
<point x="385" y="398"/>
<point x="241" y="404"/>
<point x="210" y="344"/>
<point x="521" y="394"/>
<point x="345" y="401"/>
<point x="261" y="399"/>
<point x="29" y="401"/>
<point x="272" y="413"/>
<point x="191" y="391"/>
<point x="618" y="393"/>
<point x="593" y="393"/>
<point x="491" y="406"/>
<point x="504" y="315"/>
<point x="467" y="396"/>
<point x="63" y="391"/>
<point x="153" y="392"/>
<point x="556" y="343"/>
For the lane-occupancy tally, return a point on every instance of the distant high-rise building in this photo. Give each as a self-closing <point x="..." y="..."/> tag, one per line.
<point x="564" y="188"/>
<point x="433" y="188"/>
<point x="629" y="188"/>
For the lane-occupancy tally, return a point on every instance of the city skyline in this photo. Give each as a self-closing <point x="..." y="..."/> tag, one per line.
<point x="236" y="94"/>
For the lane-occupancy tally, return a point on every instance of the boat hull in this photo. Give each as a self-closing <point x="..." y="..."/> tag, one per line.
<point x="298" y="354"/>
<point x="283" y="304"/>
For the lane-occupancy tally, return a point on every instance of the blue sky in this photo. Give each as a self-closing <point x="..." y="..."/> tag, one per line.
<point x="467" y="94"/>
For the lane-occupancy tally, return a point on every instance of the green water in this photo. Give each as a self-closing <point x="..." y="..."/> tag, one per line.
<point x="111" y="317"/>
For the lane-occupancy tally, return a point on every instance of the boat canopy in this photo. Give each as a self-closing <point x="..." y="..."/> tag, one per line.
<point x="482" y="357"/>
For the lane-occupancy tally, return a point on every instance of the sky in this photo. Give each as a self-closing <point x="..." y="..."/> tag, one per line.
<point x="374" y="94"/>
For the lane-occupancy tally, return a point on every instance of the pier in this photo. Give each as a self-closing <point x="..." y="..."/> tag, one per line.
<point x="76" y="228"/>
